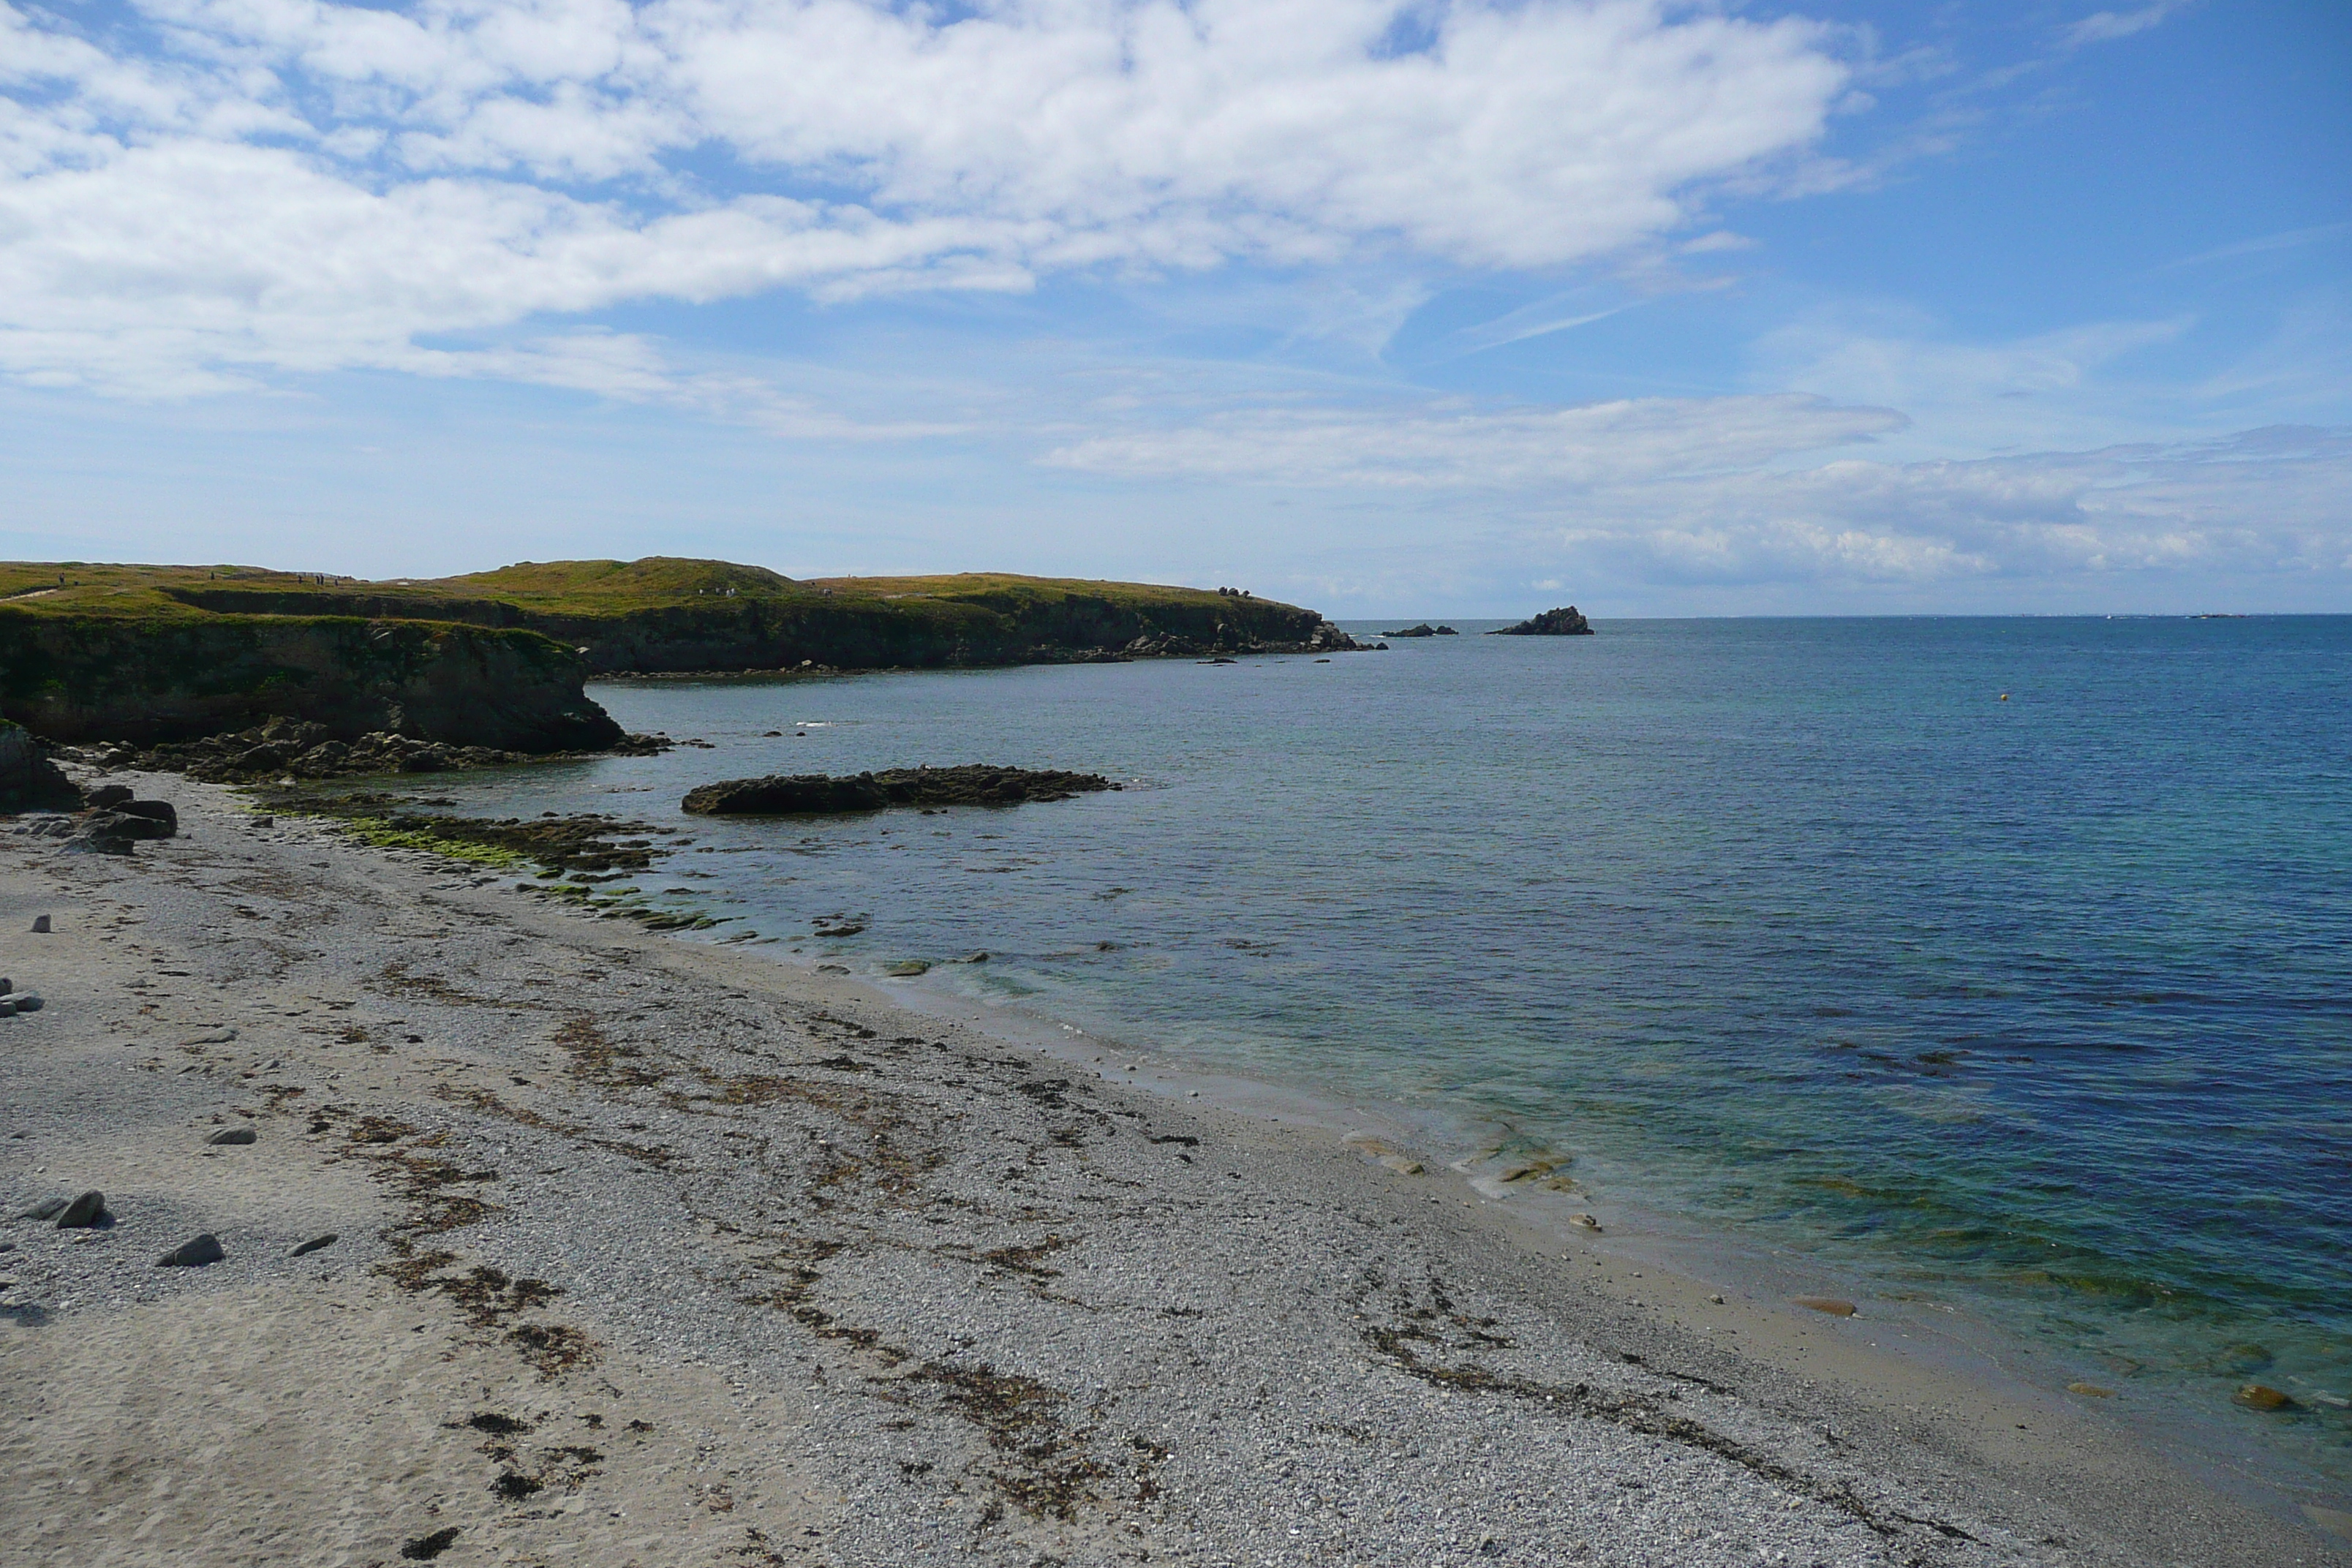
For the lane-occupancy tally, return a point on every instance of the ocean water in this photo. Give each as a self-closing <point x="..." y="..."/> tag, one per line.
<point x="2000" y="961"/>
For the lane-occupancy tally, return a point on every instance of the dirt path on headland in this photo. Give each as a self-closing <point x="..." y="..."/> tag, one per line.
<point x="652" y="1253"/>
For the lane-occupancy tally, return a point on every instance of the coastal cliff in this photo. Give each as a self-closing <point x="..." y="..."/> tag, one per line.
<point x="153" y="655"/>
<point x="669" y="615"/>
<point x="147" y="680"/>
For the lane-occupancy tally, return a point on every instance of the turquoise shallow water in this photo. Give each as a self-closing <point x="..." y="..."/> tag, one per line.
<point x="2042" y="1005"/>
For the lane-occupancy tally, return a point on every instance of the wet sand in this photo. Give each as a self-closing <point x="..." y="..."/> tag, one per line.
<point x="660" y="1253"/>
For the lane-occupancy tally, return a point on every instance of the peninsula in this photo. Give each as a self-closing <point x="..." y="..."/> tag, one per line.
<point x="496" y="661"/>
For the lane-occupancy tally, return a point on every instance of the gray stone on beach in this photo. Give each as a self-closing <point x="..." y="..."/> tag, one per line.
<point x="40" y="923"/>
<point x="28" y="1003"/>
<point x="233" y="1135"/>
<point x="48" y="1208"/>
<point x="194" y="1253"/>
<point x="84" y="1211"/>
<point x="314" y="1244"/>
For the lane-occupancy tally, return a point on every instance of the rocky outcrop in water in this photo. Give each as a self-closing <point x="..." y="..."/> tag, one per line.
<point x="294" y="748"/>
<point x="976" y="783"/>
<point x="1562" y="623"/>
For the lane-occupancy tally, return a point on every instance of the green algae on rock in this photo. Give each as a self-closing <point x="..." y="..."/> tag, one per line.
<point x="974" y="784"/>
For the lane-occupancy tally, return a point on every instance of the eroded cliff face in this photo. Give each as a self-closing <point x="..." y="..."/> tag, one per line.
<point x="76" y="679"/>
<point x="781" y="631"/>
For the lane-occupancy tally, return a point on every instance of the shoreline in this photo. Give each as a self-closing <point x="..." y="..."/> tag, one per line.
<point x="1709" y="1278"/>
<point x="893" y="1295"/>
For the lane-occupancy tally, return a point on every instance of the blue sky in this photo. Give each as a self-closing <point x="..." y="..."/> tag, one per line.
<point x="1460" y="308"/>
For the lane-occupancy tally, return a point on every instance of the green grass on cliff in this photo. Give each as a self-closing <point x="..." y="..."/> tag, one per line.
<point x="76" y="588"/>
<point x="591" y="589"/>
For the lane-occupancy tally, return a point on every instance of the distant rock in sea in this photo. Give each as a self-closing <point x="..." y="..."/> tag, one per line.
<point x="1563" y="623"/>
<point x="976" y="783"/>
<point x="1423" y="630"/>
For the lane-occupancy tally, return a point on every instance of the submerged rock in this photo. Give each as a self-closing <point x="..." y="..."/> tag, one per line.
<point x="1569" y="622"/>
<point x="1833" y="1305"/>
<point x="2262" y="1396"/>
<point x="976" y="783"/>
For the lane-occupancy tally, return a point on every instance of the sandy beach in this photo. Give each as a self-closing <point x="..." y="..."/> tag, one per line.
<point x="656" y="1252"/>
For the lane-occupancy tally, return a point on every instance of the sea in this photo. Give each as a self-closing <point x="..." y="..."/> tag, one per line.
<point x="1995" y="966"/>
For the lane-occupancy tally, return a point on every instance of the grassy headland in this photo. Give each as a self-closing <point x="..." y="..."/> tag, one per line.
<point x="496" y="659"/>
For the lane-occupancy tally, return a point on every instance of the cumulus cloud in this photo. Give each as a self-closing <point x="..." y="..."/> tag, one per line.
<point x="222" y="188"/>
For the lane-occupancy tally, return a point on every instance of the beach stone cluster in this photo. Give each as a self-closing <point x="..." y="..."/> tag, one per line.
<point x="109" y="821"/>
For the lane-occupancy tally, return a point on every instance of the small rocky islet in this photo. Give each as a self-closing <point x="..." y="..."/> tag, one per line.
<point x="811" y="795"/>
<point x="1565" y="622"/>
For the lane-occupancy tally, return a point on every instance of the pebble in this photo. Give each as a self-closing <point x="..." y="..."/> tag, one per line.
<point x="193" y="1253"/>
<point x="1833" y="1305"/>
<point x="1586" y="1220"/>
<point x="1402" y="1164"/>
<point x="233" y="1135"/>
<point x="313" y="1244"/>
<point x="84" y="1211"/>
<point x="2092" y="1389"/>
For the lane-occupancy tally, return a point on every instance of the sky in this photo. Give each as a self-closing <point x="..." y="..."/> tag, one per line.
<point x="1433" y="307"/>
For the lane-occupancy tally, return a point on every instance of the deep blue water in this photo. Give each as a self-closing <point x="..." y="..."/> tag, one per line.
<point x="2044" y="1005"/>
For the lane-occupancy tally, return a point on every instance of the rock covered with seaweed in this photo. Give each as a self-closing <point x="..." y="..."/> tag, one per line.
<point x="974" y="784"/>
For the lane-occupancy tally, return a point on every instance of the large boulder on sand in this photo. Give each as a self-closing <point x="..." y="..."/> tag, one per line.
<point x="28" y="780"/>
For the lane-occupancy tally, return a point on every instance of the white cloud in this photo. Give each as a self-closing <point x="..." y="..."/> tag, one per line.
<point x="2259" y="503"/>
<point x="2103" y="26"/>
<point x="257" y="185"/>
<point x="1718" y="491"/>
<point x="1597" y="443"/>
